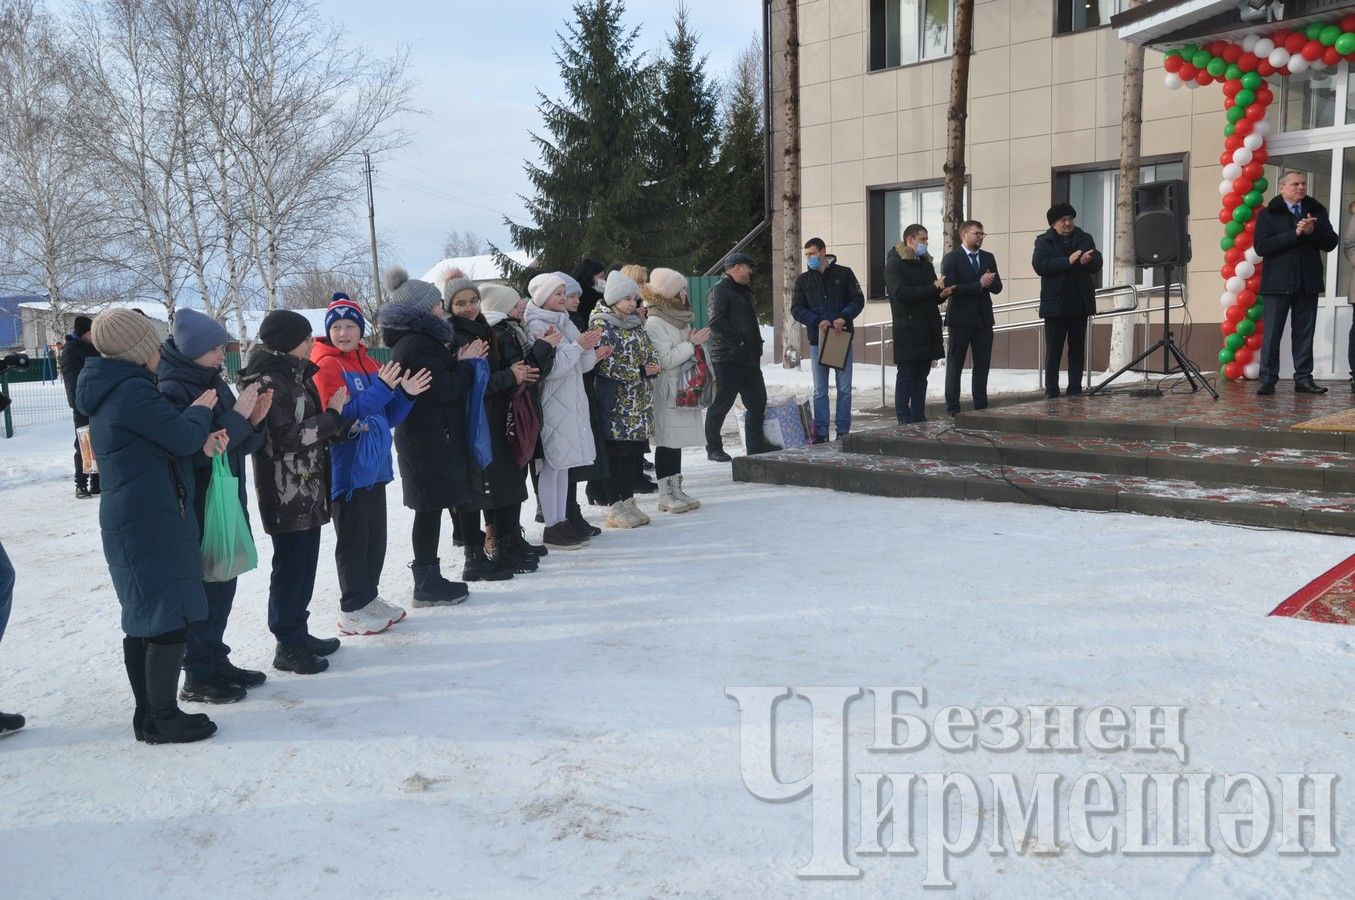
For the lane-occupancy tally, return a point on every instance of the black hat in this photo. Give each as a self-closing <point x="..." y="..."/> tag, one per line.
<point x="735" y="259"/>
<point x="1058" y="211"/>
<point x="82" y="325"/>
<point x="283" y="330"/>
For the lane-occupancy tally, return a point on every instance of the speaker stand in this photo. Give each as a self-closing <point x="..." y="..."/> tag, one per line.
<point x="1170" y="350"/>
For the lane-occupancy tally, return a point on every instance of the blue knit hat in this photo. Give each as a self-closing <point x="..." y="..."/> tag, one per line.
<point x="340" y="307"/>
<point x="196" y="333"/>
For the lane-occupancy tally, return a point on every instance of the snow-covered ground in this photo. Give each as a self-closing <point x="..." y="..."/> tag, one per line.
<point x="569" y="733"/>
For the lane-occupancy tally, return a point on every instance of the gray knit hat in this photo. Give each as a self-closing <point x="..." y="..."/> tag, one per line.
<point x="453" y="286"/>
<point x="618" y="288"/>
<point x="126" y="335"/>
<point x="401" y="290"/>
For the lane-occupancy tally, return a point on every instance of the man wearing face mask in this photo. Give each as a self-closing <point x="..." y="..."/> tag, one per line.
<point x="1066" y="259"/>
<point x="827" y="296"/>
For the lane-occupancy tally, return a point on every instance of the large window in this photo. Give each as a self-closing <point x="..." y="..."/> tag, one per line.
<point x="1076" y="15"/>
<point x="1093" y="193"/>
<point x="894" y="209"/>
<point x="908" y="31"/>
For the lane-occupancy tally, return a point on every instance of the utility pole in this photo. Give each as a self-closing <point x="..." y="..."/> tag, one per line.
<point x="371" y="222"/>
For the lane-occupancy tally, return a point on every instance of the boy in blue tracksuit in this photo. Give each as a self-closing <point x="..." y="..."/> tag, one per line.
<point x="360" y="464"/>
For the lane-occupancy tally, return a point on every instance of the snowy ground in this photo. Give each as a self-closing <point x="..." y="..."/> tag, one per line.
<point x="568" y="733"/>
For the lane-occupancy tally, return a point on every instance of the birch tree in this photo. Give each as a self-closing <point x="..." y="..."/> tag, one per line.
<point x="790" y="189"/>
<point x="1131" y="129"/>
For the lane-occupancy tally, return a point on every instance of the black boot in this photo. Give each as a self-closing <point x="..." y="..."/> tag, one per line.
<point x="431" y="589"/>
<point x="94" y="484"/>
<point x="644" y="485"/>
<point x="82" y="487"/>
<point x="300" y="660"/>
<point x="134" y="659"/>
<point x="521" y="542"/>
<point x="479" y="567"/>
<point x="581" y="525"/>
<point x="246" y="678"/>
<point x="165" y="722"/>
<point x="321" y="646"/>
<point x="507" y="555"/>
<point x="214" y="689"/>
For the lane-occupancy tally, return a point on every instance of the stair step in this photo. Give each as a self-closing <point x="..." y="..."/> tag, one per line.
<point x="1313" y="470"/>
<point x="830" y="466"/>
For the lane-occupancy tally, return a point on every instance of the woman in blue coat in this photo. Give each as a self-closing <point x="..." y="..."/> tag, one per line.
<point x="150" y="536"/>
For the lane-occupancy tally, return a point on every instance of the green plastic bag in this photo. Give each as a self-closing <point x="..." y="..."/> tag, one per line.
<point x="227" y="545"/>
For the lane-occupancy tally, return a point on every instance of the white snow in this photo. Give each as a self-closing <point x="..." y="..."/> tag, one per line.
<point x="568" y="733"/>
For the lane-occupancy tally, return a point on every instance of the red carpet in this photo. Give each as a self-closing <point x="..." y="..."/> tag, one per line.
<point x="1330" y="597"/>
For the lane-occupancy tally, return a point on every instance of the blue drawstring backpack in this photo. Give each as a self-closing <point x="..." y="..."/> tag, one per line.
<point x="477" y="425"/>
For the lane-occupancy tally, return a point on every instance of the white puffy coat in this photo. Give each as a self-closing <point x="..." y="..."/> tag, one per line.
<point x="674" y="426"/>
<point x="566" y="432"/>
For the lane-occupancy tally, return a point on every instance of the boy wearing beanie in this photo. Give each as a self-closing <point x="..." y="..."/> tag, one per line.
<point x="150" y="538"/>
<point x="291" y="476"/>
<point x="379" y="398"/>
<point x="190" y="363"/>
<point x="78" y="350"/>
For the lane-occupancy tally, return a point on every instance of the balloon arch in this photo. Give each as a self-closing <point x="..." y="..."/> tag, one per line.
<point x="1242" y="68"/>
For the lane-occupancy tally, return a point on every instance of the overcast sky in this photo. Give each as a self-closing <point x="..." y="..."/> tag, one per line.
<point x="478" y="66"/>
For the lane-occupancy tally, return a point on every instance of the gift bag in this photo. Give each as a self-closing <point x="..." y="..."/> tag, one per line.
<point x="227" y="546"/>
<point x="88" y="464"/>
<point x="781" y="425"/>
<point x="694" y="381"/>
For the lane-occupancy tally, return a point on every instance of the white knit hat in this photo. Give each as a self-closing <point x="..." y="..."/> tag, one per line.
<point x="498" y="298"/>
<point x="543" y="285"/>
<point x="618" y="288"/>
<point x="667" y="283"/>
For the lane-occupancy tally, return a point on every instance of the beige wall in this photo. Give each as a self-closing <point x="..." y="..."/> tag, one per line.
<point x="1036" y="102"/>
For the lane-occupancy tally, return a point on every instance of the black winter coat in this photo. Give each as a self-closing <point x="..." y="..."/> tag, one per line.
<point x="291" y="469"/>
<point x="915" y="302"/>
<point x="502" y="482"/>
<point x="1066" y="289"/>
<point x="73" y="358"/>
<point x="182" y="381"/>
<point x="825" y="295"/>
<point x="1293" y="264"/>
<point x="517" y="347"/>
<point x="734" y="333"/>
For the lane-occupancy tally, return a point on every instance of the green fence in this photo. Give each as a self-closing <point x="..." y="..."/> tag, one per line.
<point x="697" y="288"/>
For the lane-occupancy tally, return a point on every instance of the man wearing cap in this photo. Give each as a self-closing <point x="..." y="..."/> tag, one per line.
<point x="1066" y="259"/>
<point x="736" y="356"/>
<point x="78" y="350"/>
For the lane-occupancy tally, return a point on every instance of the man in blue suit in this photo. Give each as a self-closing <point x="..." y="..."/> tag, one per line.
<point x="972" y="271"/>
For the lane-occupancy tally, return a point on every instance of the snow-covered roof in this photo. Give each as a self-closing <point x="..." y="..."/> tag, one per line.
<point x="476" y="268"/>
<point x="152" y="310"/>
<point x="254" y="317"/>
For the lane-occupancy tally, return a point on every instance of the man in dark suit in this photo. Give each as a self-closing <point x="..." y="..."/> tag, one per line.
<point x="1292" y="233"/>
<point x="972" y="271"/>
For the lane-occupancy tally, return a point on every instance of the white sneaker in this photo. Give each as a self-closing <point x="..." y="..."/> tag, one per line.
<point x="396" y="613"/>
<point x="371" y="619"/>
<point x="639" y="517"/>
<point x="619" y="517"/>
<point x="692" y="502"/>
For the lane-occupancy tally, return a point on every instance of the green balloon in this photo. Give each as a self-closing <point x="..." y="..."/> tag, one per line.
<point x="1229" y="130"/>
<point x="1329" y="35"/>
<point x="1234" y="228"/>
<point x="1225" y="355"/>
<point x="1345" y="44"/>
<point x="1226" y="243"/>
<point x="1234" y="340"/>
<point x="1242" y="213"/>
<point x="1233" y="72"/>
<point x="1235" y="114"/>
<point x="1313" y="31"/>
<point x="1188" y="51"/>
<point x="1260" y="184"/>
<point x="1217" y="67"/>
<point x="1252" y="198"/>
<point x="1172" y="53"/>
<point x="1245" y="327"/>
<point x="1245" y="97"/>
<point x="1252" y="80"/>
<point x="1201" y="59"/>
<point x="1256" y="311"/>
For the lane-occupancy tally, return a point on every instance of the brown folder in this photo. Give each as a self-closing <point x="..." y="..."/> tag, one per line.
<point x="833" y="348"/>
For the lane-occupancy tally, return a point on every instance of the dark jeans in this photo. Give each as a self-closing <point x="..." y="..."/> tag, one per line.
<point x="296" y="555"/>
<point x="975" y="337"/>
<point x="745" y="382"/>
<point x="1278" y="307"/>
<point x="359" y="545"/>
<point x="1057" y="329"/>
<point x="6" y="589"/>
<point x="667" y="461"/>
<point x="81" y="479"/>
<point x="206" y="637"/>
<point x="910" y="391"/>
<point x="625" y="467"/>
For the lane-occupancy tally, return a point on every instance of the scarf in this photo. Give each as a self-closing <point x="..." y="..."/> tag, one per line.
<point x="494" y="317"/>
<point x="629" y="323"/>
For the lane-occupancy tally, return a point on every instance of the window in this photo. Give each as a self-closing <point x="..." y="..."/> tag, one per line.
<point x="908" y="31"/>
<point x="1077" y="15"/>
<point x="1305" y="101"/>
<point x="1092" y="194"/>
<point x="894" y="209"/>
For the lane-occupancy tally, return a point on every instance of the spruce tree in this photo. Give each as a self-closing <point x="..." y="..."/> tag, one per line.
<point x="591" y="188"/>
<point x="739" y="173"/>
<point x="683" y="147"/>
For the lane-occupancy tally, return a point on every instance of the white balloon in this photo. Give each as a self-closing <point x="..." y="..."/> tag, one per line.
<point x="1262" y="127"/>
<point x="1253" y="141"/>
<point x="1227" y="299"/>
<point x="1297" y="64"/>
<point x="1264" y="47"/>
<point x="1235" y="285"/>
<point x="1252" y="370"/>
<point x="1317" y="65"/>
<point x="1245" y="269"/>
<point x="1278" y="57"/>
<point x="1232" y="172"/>
<point x="1192" y="84"/>
<point x="1225" y="186"/>
<point x="1241" y="156"/>
<point x="1249" y="43"/>
<point x="1172" y="81"/>
<point x="1252" y="256"/>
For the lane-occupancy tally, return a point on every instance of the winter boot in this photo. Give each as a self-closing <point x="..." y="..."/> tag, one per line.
<point x="520" y="541"/>
<point x="562" y="536"/>
<point x="431" y="589"/>
<point x="639" y="517"/>
<point x="165" y="722"/>
<point x="10" y="723"/>
<point x="692" y="502"/>
<point x="321" y="646"/>
<point x="300" y="660"/>
<point x="594" y="494"/>
<point x="246" y="678"/>
<point x="94" y="484"/>
<point x="508" y="556"/>
<point x="134" y="660"/>
<point x="669" y="501"/>
<point x="574" y="518"/>
<point x="618" y="516"/>
<point x="644" y="485"/>
<point x="479" y="567"/>
<point x="214" y="689"/>
<point x="82" y="487"/>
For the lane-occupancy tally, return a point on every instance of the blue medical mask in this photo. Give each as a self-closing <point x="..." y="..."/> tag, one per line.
<point x="815" y="262"/>
<point x="920" y="249"/>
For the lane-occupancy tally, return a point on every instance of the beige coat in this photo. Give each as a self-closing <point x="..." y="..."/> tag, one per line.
<point x="674" y="426"/>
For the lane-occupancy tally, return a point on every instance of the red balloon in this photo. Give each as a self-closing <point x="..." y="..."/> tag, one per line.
<point x="1312" y="50"/>
<point x="1202" y="78"/>
<point x="1265" y="69"/>
<point x="1187" y="72"/>
<point x="1331" y="56"/>
<point x="1226" y="216"/>
<point x="1264" y="96"/>
<point x="1254" y="284"/>
<point x="1231" y="53"/>
<point x="1253" y="342"/>
<point x="1279" y="36"/>
<point x="1233" y="370"/>
<point x="1227" y="327"/>
<point x="1235" y="256"/>
<point x="1248" y="62"/>
<point x="1216" y="47"/>
<point x="1172" y="63"/>
<point x="1232" y="143"/>
<point x="1242" y="241"/>
<point x="1296" y="41"/>
<point x="1242" y="185"/>
<point x="1235" y="313"/>
<point x="1225" y="158"/>
<point x="1260" y="328"/>
<point x="1242" y="356"/>
<point x="1254" y="169"/>
<point x="1228" y="271"/>
<point x="1259" y="156"/>
<point x="1229" y="103"/>
<point x="1348" y="23"/>
<point x="1243" y="127"/>
<point x="1256" y="112"/>
<point x="1230" y="88"/>
<point x="1231" y="200"/>
<point x="1246" y="299"/>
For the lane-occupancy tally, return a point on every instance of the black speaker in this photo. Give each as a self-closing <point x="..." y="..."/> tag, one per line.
<point x="1161" y="211"/>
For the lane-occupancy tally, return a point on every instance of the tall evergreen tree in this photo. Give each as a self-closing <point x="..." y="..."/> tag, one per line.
<point x="740" y="175"/>
<point x="591" y="188"/>
<point x="683" y="149"/>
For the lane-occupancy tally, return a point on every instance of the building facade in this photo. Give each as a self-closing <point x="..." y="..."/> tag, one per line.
<point x="1045" y="93"/>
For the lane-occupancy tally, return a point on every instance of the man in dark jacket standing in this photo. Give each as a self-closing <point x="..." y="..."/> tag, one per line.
<point x="826" y="296"/>
<point x="972" y="271"/>
<point x="735" y="348"/>
<point x="1066" y="259"/>
<point x="79" y="349"/>
<point x="1292" y="233"/>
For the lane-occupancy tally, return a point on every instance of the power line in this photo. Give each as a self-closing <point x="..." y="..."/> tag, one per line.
<point x="459" y="183"/>
<point x="441" y="195"/>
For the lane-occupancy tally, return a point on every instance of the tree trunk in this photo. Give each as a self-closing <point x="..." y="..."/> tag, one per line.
<point x="956" y="118"/>
<point x="790" y="193"/>
<point x="1131" y="128"/>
